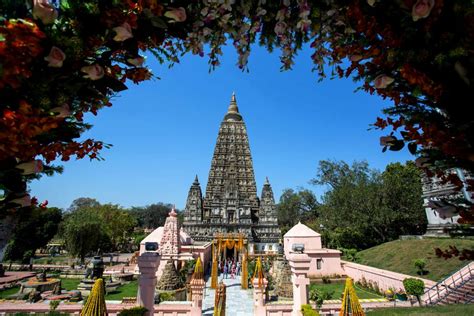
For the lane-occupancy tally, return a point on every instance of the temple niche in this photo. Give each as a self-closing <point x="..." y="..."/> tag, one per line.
<point x="230" y="204"/>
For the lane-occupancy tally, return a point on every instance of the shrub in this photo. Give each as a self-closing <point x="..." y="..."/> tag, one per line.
<point x="350" y="254"/>
<point x="363" y="282"/>
<point x="53" y="305"/>
<point x="307" y="310"/>
<point x="414" y="287"/>
<point x="319" y="296"/>
<point x="420" y="264"/>
<point x="376" y="288"/>
<point x="326" y="279"/>
<point x="166" y="296"/>
<point x="370" y="285"/>
<point x="134" y="311"/>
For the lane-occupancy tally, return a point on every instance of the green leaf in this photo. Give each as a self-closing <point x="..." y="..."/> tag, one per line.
<point x="65" y="5"/>
<point x="2" y="38"/>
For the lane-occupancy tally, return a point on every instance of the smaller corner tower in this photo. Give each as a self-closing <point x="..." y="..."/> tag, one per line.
<point x="193" y="210"/>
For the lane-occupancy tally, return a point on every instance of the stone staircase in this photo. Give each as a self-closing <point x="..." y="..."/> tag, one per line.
<point x="458" y="288"/>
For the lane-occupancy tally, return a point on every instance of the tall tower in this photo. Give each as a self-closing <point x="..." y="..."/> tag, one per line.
<point x="231" y="203"/>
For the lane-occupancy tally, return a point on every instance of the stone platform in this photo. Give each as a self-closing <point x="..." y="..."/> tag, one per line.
<point x="13" y="276"/>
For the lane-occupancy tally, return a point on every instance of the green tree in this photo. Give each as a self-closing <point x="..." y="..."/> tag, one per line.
<point x="363" y="207"/>
<point x="151" y="216"/>
<point x="295" y="206"/>
<point x="420" y="264"/>
<point x="414" y="287"/>
<point x="83" y="232"/>
<point x="35" y="230"/>
<point x="83" y="202"/>
<point x="118" y="223"/>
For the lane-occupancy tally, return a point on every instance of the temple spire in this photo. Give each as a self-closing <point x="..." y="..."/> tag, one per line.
<point x="196" y="180"/>
<point x="233" y="110"/>
<point x="233" y="105"/>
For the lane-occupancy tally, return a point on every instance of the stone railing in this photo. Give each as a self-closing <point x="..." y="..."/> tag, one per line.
<point x="443" y="288"/>
<point x="383" y="278"/>
<point x="181" y="308"/>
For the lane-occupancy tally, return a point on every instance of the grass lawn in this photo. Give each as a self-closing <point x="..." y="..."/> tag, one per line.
<point x="338" y="289"/>
<point x="5" y="293"/>
<point x="425" y="311"/>
<point x="126" y="290"/>
<point x="398" y="256"/>
<point x="59" y="260"/>
<point x="70" y="284"/>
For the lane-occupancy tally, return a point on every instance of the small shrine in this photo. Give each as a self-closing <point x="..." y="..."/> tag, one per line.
<point x="324" y="261"/>
<point x="175" y="245"/>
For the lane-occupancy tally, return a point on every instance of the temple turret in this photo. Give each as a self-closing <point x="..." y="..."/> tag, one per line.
<point x="268" y="212"/>
<point x="193" y="210"/>
<point x="170" y="243"/>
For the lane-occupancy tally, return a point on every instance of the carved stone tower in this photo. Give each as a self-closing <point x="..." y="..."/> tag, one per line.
<point x="170" y="242"/>
<point x="231" y="203"/>
<point x="193" y="210"/>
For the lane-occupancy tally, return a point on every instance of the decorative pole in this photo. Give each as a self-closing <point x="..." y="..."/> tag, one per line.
<point x="219" y="301"/>
<point x="245" y="280"/>
<point x="259" y="287"/>
<point x="197" y="286"/>
<point x="214" y="267"/>
<point x="95" y="305"/>
<point x="350" y="301"/>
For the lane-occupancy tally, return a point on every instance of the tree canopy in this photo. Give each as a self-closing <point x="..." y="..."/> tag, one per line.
<point x="364" y="207"/>
<point x="95" y="227"/>
<point x="64" y="58"/>
<point x="34" y="231"/>
<point x="151" y="216"/>
<point x="296" y="206"/>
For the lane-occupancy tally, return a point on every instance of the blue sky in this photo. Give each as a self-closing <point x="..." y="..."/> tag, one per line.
<point x="164" y="131"/>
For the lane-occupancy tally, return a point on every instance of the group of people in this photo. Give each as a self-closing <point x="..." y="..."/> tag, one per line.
<point x="230" y="267"/>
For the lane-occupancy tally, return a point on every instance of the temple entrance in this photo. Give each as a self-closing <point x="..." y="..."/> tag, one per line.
<point x="229" y="256"/>
<point x="229" y="250"/>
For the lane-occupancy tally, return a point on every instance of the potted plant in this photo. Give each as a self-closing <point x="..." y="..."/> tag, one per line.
<point x="401" y="295"/>
<point x="390" y="294"/>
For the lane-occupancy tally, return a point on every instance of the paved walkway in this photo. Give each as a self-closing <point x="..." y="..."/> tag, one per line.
<point x="238" y="302"/>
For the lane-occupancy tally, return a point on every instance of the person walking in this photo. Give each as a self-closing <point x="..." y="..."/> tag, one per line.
<point x="225" y="271"/>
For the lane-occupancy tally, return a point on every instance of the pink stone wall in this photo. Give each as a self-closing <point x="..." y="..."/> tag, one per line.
<point x="384" y="278"/>
<point x="310" y="243"/>
<point x="330" y="264"/>
<point x="278" y="310"/>
<point x="203" y="251"/>
<point x="184" y="309"/>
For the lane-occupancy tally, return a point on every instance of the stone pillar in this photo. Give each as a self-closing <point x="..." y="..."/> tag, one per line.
<point x="148" y="263"/>
<point x="197" y="290"/>
<point x="299" y="264"/>
<point x="259" y="297"/>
